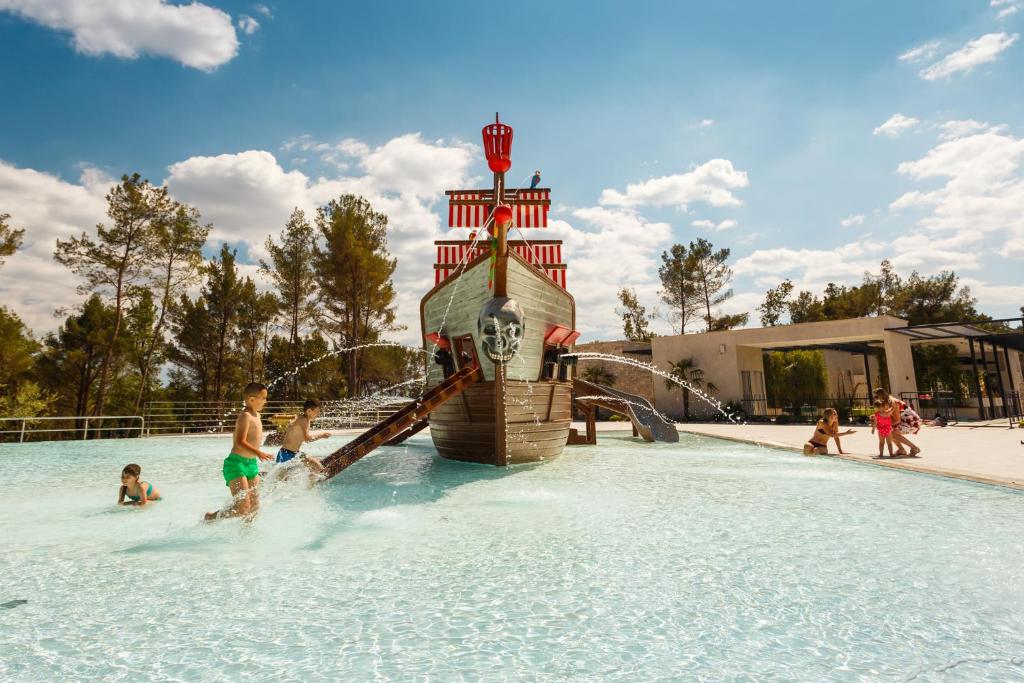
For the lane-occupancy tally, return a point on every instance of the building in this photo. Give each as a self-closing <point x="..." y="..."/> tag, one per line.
<point x="860" y="355"/>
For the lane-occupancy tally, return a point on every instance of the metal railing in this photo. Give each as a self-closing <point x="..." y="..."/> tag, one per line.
<point x="930" y="403"/>
<point x="218" y="417"/>
<point x="85" y="424"/>
<point x="850" y="409"/>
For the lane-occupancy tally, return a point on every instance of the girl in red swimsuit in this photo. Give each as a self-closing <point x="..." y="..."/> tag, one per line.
<point x="881" y="422"/>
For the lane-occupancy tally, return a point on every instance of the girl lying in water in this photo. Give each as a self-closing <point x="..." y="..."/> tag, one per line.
<point x="137" y="491"/>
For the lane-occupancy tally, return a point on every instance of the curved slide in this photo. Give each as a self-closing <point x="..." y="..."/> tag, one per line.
<point x="647" y="421"/>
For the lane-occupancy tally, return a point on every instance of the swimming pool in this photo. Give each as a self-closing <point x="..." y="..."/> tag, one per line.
<point x="627" y="561"/>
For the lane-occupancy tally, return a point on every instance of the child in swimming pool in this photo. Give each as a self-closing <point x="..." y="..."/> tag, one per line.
<point x="297" y="432"/>
<point x="241" y="468"/>
<point x="882" y="422"/>
<point x="137" y="491"/>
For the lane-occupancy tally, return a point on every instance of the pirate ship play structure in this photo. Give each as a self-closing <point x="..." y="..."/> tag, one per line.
<point x="499" y="323"/>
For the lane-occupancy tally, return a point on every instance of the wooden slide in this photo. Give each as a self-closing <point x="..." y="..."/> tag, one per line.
<point x="407" y="421"/>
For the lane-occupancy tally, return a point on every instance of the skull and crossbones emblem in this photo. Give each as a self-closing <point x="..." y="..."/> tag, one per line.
<point x="501" y="326"/>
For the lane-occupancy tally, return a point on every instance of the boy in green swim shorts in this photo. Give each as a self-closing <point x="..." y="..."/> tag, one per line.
<point x="241" y="467"/>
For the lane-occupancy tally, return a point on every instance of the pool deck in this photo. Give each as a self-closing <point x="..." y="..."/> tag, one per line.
<point x="984" y="452"/>
<point x="989" y="453"/>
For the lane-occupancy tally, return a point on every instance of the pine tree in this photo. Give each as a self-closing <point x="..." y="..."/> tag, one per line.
<point x="354" y="269"/>
<point x="114" y="260"/>
<point x="678" y="286"/>
<point x="775" y="303"/>
<point x="712" y="276"/>
<point x="222" y="292"/>
<point x="10" y="239"/>
<point x="256" y="314"/>
<point x="174" y="263"/>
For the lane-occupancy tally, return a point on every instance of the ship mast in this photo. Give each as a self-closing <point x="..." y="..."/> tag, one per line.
<point x="497" y="139"/>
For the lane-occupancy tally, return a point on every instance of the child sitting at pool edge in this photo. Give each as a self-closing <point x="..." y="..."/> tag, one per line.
<point x="241" y="468"/>
<point x="298" y="431"/>
<point x="137" y="491"/>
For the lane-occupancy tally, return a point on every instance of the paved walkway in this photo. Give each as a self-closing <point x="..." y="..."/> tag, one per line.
<point x="991" y="455"/>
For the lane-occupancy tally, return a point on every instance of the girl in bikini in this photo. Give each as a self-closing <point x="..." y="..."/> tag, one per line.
<point x="827" y="428"/>
<point x="137" y="491"/>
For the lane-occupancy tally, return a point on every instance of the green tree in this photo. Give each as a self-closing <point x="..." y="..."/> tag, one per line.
<point x="174" y="263"/>
<point x="28" y="401"/>
<point x="634" y="316"/>
<point x="775" y="303"/>
<point x="113" y="261"/>
<point x="937" y="367"/>
<point x="679" y="286"/>
<point x="292" y="271"/>
<point x="10" y="239"/>
<point x="17" y="351"/>
<point x="222" y="293"/>
<point x="728" y="321"/>
<point x="711" y="277"/>
<point x="685" y="370"/>
<point x="256" y="314"/>
<point x="354" y="269"/>
<point x="194" y="349"/>
<point x="72" y="358"/>
<point x="795" y="378"/>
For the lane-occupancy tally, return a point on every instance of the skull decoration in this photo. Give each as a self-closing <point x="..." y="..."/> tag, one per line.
<point x="501" y="327"/>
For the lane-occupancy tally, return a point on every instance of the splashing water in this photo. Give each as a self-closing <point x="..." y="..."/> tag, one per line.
<point x="711" y="401"/>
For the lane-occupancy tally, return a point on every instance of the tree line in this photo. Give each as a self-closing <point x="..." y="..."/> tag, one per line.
<point x="694" y="282"/>
<point x="161" y="321"/>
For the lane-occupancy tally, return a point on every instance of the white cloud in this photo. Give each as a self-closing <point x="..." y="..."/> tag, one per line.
<point x="197" y="35"/>
<point x="982" y="200"/>
<point x="248" y="25"/>
<point x="921" y="52"/>
<point x="264" y="10"/>
<point x="31" y="282"/>
<point x="619" y="248"/>
<point x="975" y="53"/>
<point x="712" y="182"/>
<point x="895" y="125"/>
<point x="711" y="225"/>
<point x="1009" y="8"/>
<point x="704" y="123"/>
<point x="959" y="128"/>
<point x="855" y="219"/>
<point x="248" y="196"/>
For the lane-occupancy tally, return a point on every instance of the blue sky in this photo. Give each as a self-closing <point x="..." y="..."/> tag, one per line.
<point x="791" y="99"/>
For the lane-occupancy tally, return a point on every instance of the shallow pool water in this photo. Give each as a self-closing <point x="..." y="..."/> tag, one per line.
<point x="703" y="560"/>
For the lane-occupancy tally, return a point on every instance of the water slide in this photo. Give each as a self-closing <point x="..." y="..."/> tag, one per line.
<point x="407" y="421"/>
<point x="647" y="421"/>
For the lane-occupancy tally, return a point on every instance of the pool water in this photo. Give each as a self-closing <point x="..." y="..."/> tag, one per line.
<point x="703" y="560"/>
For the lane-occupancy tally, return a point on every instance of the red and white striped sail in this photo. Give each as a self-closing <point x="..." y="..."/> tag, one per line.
<point x="472" y="208"/>
<point x="545" y="254"/>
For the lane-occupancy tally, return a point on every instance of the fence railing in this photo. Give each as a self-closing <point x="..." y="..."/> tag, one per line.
<point x="930" y="403"/>
<point x="83" y="425"/>
<point x="217" y="417"/>
<point x="850" y="409"/>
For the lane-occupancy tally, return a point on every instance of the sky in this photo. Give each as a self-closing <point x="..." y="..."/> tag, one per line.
<point x="812" y="139"/>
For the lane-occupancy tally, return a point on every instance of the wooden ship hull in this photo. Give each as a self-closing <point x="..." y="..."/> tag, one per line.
<point x="521" y="410"/>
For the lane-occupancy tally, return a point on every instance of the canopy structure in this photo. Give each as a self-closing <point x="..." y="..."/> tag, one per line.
<point x="1002" y="337"/>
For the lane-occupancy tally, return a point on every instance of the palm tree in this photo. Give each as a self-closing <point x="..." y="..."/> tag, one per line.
<point x="685" y="370"/>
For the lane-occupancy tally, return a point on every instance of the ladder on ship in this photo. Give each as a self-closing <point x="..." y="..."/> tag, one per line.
<point x="407" y="421"/>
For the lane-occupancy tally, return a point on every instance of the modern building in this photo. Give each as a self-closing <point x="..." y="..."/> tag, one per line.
<point x="860" y="354"/>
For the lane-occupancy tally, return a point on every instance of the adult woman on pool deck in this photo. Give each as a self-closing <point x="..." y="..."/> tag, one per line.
<point x="827" y="428"/>
<point x="904" y="421"/>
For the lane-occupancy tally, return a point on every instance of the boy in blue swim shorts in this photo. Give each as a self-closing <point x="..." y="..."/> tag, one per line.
<point x="298" y="432"/>
<point x="241" y="468"/>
